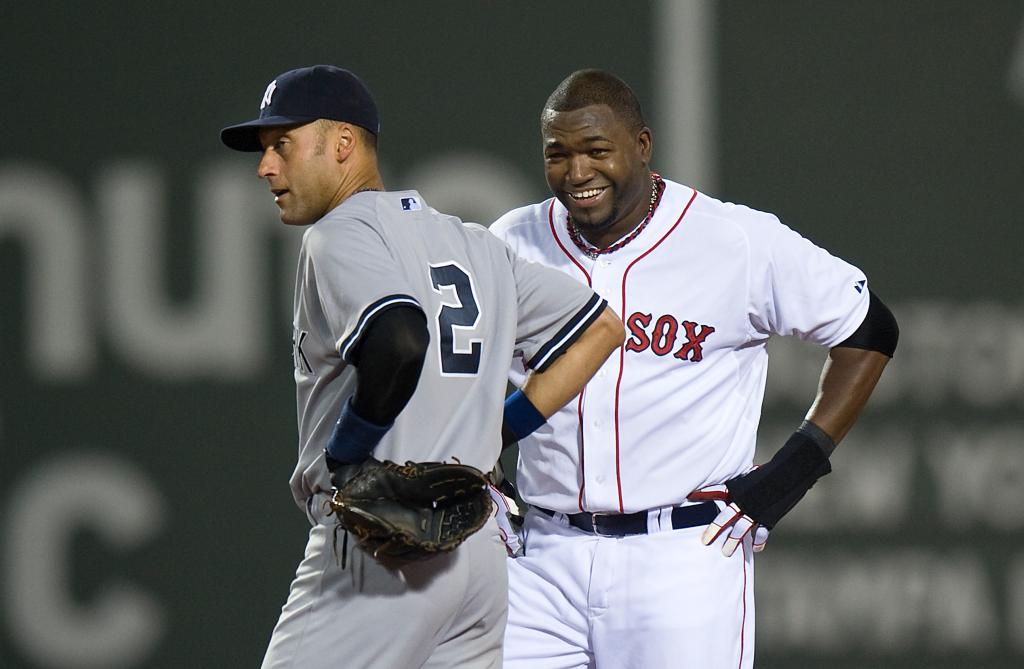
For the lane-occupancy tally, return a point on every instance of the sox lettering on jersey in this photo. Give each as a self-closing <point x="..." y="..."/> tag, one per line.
<point x="662" y="337"/>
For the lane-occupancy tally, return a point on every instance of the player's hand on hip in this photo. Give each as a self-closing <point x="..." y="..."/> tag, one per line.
<point x="760" y="497"/>
<point x="732" y="519"/>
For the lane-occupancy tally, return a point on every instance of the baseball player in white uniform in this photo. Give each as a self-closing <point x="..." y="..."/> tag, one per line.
<point x="405" y="322"/>
<point x="631" y="482"/>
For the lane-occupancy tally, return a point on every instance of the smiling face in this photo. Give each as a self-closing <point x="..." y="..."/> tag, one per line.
<point x="597" y="166"/>
<point x="302" y="174"/>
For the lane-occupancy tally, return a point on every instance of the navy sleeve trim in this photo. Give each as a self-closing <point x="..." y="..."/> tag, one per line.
<point x="569" y="333"/>
<point x="349" y="344"/>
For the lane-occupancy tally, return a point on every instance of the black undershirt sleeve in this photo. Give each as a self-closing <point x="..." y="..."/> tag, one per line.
<point x="877" y="332"/>
<point x="388" y="363"/>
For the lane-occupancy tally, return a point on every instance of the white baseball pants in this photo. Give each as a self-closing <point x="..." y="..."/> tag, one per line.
<point x="649" y="601"/>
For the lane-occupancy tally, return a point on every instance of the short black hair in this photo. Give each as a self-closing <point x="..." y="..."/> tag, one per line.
<point x="588" y="87"/>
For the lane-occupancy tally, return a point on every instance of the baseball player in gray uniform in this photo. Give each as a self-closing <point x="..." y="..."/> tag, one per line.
<point x="644" y="506"/>
<point x="405" y="321"/>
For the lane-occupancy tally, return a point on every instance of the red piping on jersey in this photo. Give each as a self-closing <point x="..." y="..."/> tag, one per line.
<point x="579" y="405"/>
<point x="583" y="481"/>
<point x="551" y="224"/>
<point x="743" y="620"/>
<point x="622" y="349"/>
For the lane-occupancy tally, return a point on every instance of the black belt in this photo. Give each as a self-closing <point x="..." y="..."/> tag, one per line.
<point x="620" y="525"/>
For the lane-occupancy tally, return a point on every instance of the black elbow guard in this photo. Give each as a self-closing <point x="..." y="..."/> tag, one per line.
<point x="878" y="331"/>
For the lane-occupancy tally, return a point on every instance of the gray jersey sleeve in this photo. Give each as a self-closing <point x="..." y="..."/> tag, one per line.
<point x="356" y="278"/>
<point x="545" y="297"/>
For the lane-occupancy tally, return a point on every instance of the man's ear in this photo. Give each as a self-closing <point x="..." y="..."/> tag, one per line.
<point x="344" y="141"/>
<point x="645" y="140"/>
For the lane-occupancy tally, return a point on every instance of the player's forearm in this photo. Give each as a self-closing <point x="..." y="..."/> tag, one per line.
<point x="552" y="389"/>
<point x="847" y="381"/>
<point x="546" y="392"/>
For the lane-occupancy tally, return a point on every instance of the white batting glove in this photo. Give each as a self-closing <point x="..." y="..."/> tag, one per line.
<point x="504" y="508"/>
<point x="731" y="518"/>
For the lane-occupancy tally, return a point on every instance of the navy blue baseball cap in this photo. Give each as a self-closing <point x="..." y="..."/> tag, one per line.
<point x="304" y="95"/>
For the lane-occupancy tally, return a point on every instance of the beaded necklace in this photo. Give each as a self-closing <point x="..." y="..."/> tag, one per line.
<point x="657" y="188"/>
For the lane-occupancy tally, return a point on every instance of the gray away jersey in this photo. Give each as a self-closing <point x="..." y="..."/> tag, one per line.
<point x="483" y="305"/>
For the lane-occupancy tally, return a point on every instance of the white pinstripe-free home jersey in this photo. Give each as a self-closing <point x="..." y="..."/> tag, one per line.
<point x="482" y="303"/>
<point x="700" y="290"/>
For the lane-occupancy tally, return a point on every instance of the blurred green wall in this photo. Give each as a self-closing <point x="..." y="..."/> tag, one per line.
<point x="146" y="403"/>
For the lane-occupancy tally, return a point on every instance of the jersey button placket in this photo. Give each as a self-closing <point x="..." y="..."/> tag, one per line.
<point x="599" y="405"/>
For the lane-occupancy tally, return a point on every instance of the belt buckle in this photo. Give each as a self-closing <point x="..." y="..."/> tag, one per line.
<point x="593" y="523"/>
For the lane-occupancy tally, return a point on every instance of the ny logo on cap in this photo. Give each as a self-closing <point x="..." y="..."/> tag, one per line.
<point x="267" y="94"/>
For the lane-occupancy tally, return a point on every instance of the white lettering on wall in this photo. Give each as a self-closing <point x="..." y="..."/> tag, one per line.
<point x="964" y="353"/>
<point x="121" y="624"/>
<point x="44" y="213"/>
<point x="220" y="332"/>
<point x="979" y="475"/>
<point x="878" y="601"/>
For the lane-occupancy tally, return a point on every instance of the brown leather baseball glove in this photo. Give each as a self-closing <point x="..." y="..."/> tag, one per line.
<point x="401" y="513"/>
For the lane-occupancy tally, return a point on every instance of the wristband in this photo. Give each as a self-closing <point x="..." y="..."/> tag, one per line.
<point x="521" y="417"/>
<point x="354" y="437"/>
<point x="770" y="491"/>
<point x="818" y="436"/>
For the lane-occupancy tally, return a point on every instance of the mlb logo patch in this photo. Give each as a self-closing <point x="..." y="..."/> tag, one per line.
<point x="410" y="204"/>
<point x="859" y="286"/>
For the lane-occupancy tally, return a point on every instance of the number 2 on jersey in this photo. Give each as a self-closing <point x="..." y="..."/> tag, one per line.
<point x="459" y="311"/>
